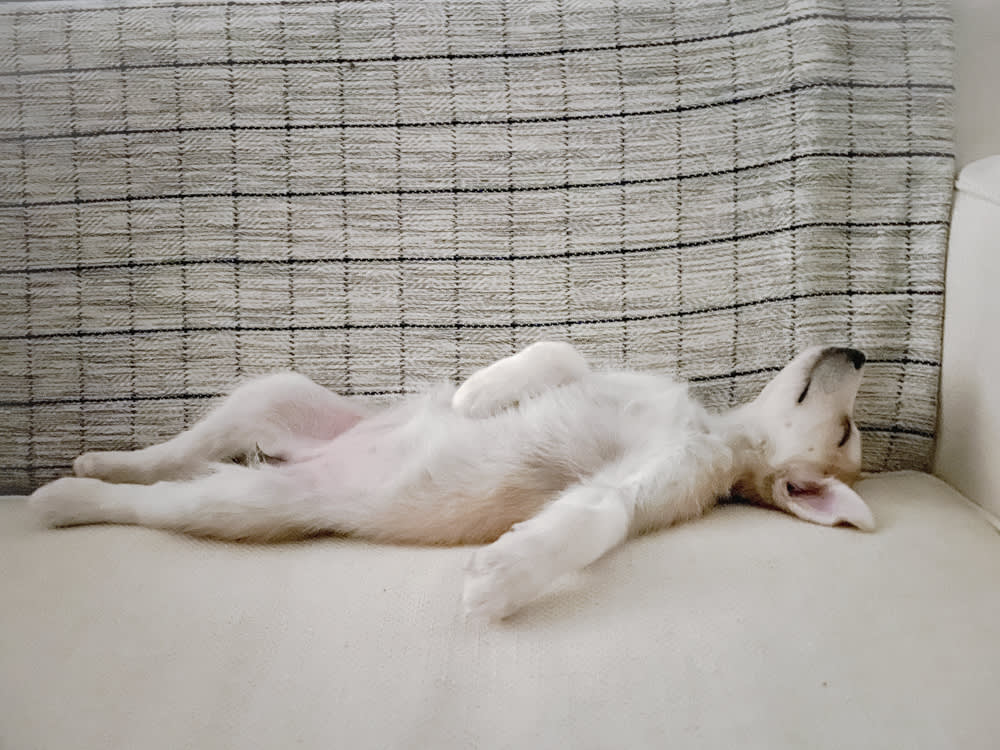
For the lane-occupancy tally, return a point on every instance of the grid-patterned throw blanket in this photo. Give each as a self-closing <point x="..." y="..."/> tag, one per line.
<point x="384" y="193"/>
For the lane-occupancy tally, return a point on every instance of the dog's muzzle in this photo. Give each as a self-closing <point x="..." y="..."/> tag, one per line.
<point x="855" y="357"/>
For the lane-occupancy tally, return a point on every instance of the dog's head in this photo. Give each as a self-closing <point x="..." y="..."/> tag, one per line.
<point x="812" y="447"/>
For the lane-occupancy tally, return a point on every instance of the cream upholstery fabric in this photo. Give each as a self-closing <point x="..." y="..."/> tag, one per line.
<point x="747" y="629"/>
<point x="969" y="442"/>
<point x="977" y="70"/>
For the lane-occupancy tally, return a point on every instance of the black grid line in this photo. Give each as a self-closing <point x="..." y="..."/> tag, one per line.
<point x="898" y="406"/>
<point x="622" y="172"/>
<point x="456" y="265"/>
<point x="182" y="212"/>
<point x="898" y="430"/>
<point x="509" y="146"/>
<point x="234" y="165"/>
<point x="166" y="6"/>
<point x="735" y="201"/>
<point x="289" y="237"/>
<point x="486" y="189"/>
<point x="679" y="201"/>
<point x="559" y="52"/>
<point x="129" y="230"/>
<point x="361" y="260"/>
<point x="794" y="343"/>
<point x="851" y="143"/>
<point x="345" y="243"/>
<point x="288" y="3"/>
<point x="25" y="242"/>
<point x="81" y="371"/>
<point x="567" y="203"/>
<point x="389" y="326"/>
<point x="398" y="175"/>
<point x="509" y="120"/>
<point x="201" y="396"/>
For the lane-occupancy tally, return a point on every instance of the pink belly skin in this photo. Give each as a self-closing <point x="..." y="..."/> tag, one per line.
<point x="422" y="475"/>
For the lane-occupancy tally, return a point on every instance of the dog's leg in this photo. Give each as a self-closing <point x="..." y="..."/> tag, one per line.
<point x="232" y="502"/>
<point x="278" y="415"/>
<point x="576" y="529"/>
<point x="543" y="365"/>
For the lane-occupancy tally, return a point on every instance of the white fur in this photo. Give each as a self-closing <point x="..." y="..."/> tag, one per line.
<point x="552" y="462"/>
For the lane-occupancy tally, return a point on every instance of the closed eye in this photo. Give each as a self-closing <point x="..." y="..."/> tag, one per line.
<point x="805" y="391"/>
<point x="847" y="433"/>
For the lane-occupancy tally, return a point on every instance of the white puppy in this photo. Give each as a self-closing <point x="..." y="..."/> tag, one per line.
<point x="552" y="462"/>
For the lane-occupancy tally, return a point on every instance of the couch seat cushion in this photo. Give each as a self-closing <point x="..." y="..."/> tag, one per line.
<point x="744" y="629"/>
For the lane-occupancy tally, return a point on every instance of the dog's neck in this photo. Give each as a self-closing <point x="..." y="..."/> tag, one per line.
<point x="741" y="431"/>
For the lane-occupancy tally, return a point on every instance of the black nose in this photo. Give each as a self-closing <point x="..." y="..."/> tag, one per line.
<point x="853" y="356"/>
<point x="857" y="358"/>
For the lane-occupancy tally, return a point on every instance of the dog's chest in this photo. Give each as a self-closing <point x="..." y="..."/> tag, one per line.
<point x="609" y="415"/>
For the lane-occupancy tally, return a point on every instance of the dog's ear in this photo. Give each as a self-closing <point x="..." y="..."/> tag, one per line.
<point x="822" y="499"/>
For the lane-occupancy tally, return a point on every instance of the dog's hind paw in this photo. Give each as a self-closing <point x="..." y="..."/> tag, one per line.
<point x="504" y="576"/>
<point x="68" y="501"/>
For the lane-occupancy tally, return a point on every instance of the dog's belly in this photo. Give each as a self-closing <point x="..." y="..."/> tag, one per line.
<point x="421" y="472"/>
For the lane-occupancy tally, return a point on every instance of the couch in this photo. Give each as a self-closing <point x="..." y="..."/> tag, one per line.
<point x="743" y="629"/>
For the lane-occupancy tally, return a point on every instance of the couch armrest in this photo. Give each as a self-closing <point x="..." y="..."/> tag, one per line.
<point x="968" y="452"/>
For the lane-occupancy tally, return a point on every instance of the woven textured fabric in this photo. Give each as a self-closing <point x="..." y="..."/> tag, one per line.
<point x="381" y="194"/>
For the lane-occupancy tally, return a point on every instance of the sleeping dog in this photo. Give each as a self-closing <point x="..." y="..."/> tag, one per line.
<point x="548" y="461"/>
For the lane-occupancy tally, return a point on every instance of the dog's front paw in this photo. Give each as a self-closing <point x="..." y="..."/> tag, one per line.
<point x="504" y="576"/>
<point x="67" y="502"/>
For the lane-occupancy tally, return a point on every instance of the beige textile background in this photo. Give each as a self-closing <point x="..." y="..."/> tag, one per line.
<point x="382" y="194"/>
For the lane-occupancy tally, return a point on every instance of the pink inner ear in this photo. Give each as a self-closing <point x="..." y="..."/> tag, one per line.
<point x="822" y="501"/>
<point x="827" y="501"/>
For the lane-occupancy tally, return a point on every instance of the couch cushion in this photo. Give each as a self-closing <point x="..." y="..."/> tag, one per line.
<point x="745" y="629"/>
<point x="969" y="436"/>
<point x="388" y="192"/>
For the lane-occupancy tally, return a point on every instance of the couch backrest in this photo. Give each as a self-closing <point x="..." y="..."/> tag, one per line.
<point x="383" y="193"/>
